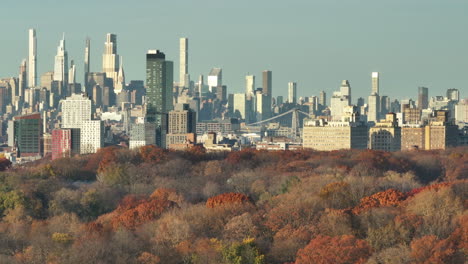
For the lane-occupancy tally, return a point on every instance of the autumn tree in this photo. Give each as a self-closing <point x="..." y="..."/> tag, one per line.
<point x="338" y="250"/>
<point x="227" y="199"/>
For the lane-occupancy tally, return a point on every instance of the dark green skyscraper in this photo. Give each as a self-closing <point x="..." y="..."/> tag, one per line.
<point x="28" y="134"/>
<point x="159" y="80"/>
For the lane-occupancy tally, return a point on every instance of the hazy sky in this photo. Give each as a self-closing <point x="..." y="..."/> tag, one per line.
<point x="316" y="43"/>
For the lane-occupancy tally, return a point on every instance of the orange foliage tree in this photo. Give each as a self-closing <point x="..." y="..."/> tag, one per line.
<point x="338" y="250"/>
<point x="429" y="249"/>
<point x="390" y="197"/>
<point x="133" y="212"/>
<point x="246" y="154"/>
<point x="227" y="199"/>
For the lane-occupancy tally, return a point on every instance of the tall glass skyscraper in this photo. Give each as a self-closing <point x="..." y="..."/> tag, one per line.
<point x="159" y="79"/>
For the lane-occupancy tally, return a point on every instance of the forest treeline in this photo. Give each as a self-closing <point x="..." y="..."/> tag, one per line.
<point x="152" y="205"/>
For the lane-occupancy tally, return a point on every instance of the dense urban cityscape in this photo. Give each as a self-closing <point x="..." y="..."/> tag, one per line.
<point x="96" y="168"/>
<point x="55" y="115"/>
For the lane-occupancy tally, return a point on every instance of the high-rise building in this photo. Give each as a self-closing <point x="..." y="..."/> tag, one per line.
<point x="412" y="137"/>
<point x="340" y="100"/>
<point x="240" y="106"/>
<point x="72" y="73"/>
<point x="373" y="114"/>
<point x="267" y="83"/>
<point x="120" y="82"/>
<point x="22" y="79"/>
<point x="323" y="98"/>
<point x="375" y="83"/>
<point x="386" y="135"/>
<point x="28" y="134"/>
<point x="91" y="136"/>
<point x="110" y="58"/>
<point x="32" y="59"/>
<point x="76" y="109"/>
<point x="453" y="94"/>
<point x="159" y="79"/>
<point x="345" y="90"/>
<point x="184" y="78"/>
<point x="461" y="112"/>
<point x="87" y="61"/>
<point x="182" y="127"/>
<point x="250" y="86"/>
<point x="215" y="78"/>
<point x="292" y="92"/>
<point x="423" y="97"/>
<point x="61" y="65"/>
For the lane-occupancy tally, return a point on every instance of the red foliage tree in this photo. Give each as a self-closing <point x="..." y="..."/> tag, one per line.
<point x="390" y="197"/>
<point x="326" y="250"/>
<point x="227" y="199"/>
<point x="106" y="156"/>
<point x="435" y="187"/>
<point x="246" y="154"/>
<point x="153" y="154"/>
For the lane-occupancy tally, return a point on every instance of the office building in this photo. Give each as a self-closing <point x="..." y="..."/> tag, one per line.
<point x="375" y="83"/>
<point x="110" y="58"/>
<point x="340" y="100"/>
<point x="32" y="60"/>
<point x="142" y="134"/>
<point x="267" y="88"/>
<point x="386" y="134"/>
<point x="184" y="77"/>
<point x="440" y="133"/>
<point x="22" y="80"/>
<point x="215" y="78"/>
<point x="240" y="106"/>
<point x="423" y="97"/>
<point x="326" y="136"/>
<point x="27" y="133"/>
<point x="292" y="93"/>
<point x="159" y="79"/>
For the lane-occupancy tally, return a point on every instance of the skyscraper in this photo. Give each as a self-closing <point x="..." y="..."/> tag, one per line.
<point x="249" y="86"/>
<point x="61" y="64"/>
<point x="71" y="73"/>
<point x="423" y="97"/>
<point x="375" y="83"/>
<point x="110" y="59"/>
<point x="86" y="60"/>
<point x="267" y="91"/>
<point x="292" y="92"/>
<point x="22" y="79"/>
<point x="75" y="110"/>
<point x="215" y="78"/>
<point x="323" y="98"/>
<point x="120" y="82"/>
<point x="374" y="107"/>
<point x="267" y="85"/>
<point x="345" y="90"/>
<point x="453" y="94"/>
<point x="159" y="79"/>
<point x="32" y="58"/>
<point x="184" y="78"/>
<point x="27" y="132"/>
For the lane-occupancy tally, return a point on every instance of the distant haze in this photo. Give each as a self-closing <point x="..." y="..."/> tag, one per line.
<point x="315" y="43"/>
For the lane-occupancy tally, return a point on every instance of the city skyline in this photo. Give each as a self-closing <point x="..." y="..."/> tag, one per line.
<point x="406" y="55"/>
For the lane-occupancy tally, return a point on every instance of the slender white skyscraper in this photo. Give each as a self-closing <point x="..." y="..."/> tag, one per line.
<point x="86" y="60"/>
<point x="61" y="63"/>
<point x="110" y="59"/>
<point x="375" y="83"/>
<point x="184" y="77"/>
<point x="249" y="86"/>
<point x="292" y="92"/>
<point x="32" y="58"/>
<point x="71" y="73"/>
<point x="22" y="79"/>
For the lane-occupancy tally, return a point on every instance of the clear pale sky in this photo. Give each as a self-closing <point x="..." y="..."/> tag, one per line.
<point x="316" y="43"/>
